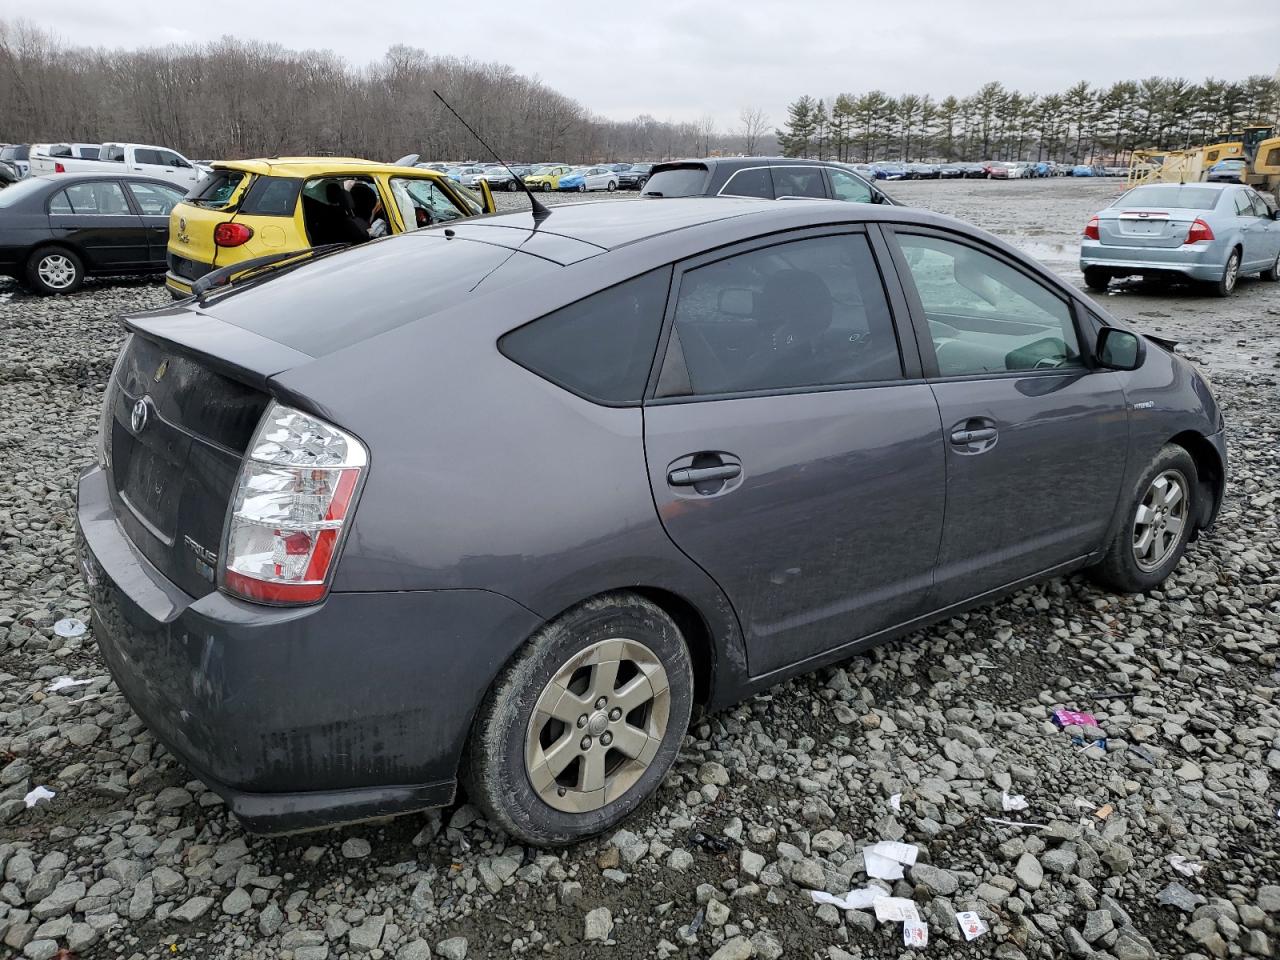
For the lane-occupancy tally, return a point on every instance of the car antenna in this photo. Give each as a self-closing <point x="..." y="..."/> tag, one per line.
<point x="540" y="212"/>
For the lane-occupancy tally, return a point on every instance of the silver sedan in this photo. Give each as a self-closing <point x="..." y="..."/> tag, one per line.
<point x="1212" y="232"/>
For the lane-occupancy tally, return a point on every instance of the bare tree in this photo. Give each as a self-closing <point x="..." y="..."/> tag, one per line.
<point x="755" y="124"/>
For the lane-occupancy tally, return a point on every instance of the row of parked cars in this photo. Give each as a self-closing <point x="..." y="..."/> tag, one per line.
<point x="547" y="176"/>
<point x="987" y="170"/>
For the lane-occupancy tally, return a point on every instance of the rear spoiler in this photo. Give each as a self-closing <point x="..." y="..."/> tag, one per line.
<point x="247" y="269"/>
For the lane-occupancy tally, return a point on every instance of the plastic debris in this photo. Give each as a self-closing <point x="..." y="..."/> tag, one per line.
<point x="895" y="909"/>
<point x="1073" y="718"/>
<point x="885" y="860"/>
<point x="696" y="923"/>
<point x="1146" y="755"/>
<point x="62" y="683"/>
<point x="915" y="934"/>
<point x="1184" y="866"/>
<point x="853" y="900"/>
<point x="716" y="844"/>
<point x="1176" y="895"/>
<point x="895" y="801"/>
<point x="1029" y="824"/>
<point x="37" y="795"/>
<point x="69" y="627"/>
<point x="1013" y="801"/>
<point x="971" y="925"/>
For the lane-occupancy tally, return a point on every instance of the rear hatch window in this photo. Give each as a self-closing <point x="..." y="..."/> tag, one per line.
<point x="686" y="180"/>
<point x="218" y="190"/>
<point x="325" y="305"/>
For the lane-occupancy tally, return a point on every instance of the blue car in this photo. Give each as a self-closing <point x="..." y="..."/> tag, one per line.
<point x="891" y="171"/>
<point x="1082" y="170"/>
<point x="1211" y="232"/>
<point x="574" y="180"/>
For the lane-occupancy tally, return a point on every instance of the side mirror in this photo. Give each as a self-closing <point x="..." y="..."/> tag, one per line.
<point x="1119" y="349"/>
<point x="487" y="195"/>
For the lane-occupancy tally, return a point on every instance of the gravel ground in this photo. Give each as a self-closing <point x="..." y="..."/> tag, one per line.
<point x="133" y="858"/>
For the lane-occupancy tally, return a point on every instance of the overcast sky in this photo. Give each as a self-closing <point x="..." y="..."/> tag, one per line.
<point x="685" y="60"/>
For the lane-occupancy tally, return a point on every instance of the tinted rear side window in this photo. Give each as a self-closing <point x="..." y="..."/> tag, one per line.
<point x="602" y="346"/>
<point x="749" y="183"/>
<point x="272" y="197"/>
<point x="677" y="182"/>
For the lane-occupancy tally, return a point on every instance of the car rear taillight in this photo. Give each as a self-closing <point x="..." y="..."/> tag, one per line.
<point x="1200" y="232"/>
<point x="297" y="490"/>
<point x="58" y="167"/>
<point x="1091" y="229"/>
<point x="231" y="234"/>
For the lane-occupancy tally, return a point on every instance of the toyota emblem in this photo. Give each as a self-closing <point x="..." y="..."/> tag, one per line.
<point x="138" y="419"/>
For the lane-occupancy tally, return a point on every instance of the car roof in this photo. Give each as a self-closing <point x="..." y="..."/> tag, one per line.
<point x="609" y="224"/>
<point x="318" y="167"/>
<point x="1211" y="184"/>
<point x="55" y="179"/>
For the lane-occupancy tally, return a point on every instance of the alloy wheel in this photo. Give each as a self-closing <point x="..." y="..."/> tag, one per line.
<point x="1233" y="272"/>
<point x="57" y="271"/>
<point x="597" y="725"/>
<point x="1159" y="522"/>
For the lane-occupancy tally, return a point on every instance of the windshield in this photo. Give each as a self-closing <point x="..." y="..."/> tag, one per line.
<point x="1170" y="195"/>
<point x="677" y="182"/>
<point x="9" y="196"/>
<point x="1231" y="164"/>
<point x="15" y="152"/>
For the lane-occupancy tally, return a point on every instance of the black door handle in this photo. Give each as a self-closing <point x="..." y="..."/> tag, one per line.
<point x="980" y="435"/>
<point x="688" y="476"/>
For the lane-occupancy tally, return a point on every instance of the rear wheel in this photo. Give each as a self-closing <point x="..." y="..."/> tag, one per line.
<point x="1230" y="276"/>
<point x="583" y="724"/>
<point x="1096" y="279"/>
<point x="54" y="270"/>
<point x="1158" y="523"/>
<point x="512" y="187"/>
<point x="1272" y="273"/>
<point x="612" y="186"/>
<point x="641" y="182"/>
<point x="545" y="186"/>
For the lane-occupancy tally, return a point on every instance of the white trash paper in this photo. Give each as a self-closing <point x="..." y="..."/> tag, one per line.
<point x="895" y="909"/>
<point x="62" y="683"/>
<point x="971" y="925"/>
<point x="853" y="900"/>
<point x="885" y="860"/>
<point x="1013" y="801"/>
<point x="1183" y="865"/>
<point x="895" y="801"/>
<point x="69" y="627"/>
<point x="37" y="795"/>
<point x="915" y="934"/>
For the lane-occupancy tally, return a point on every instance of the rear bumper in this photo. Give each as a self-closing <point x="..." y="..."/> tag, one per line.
<point x="1196" y="261"/>
<point x="177" y="286"/>
<point x="302" y="717"/>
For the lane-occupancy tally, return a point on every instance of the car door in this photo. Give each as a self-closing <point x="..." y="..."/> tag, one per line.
<point x="1270" y="229"/>
<point x="1256" y="228"/>
<point x="1036" y="441"/>
<point x="94" y="217"/>
<point x="794" y="452"/>
<point x="153" y="202"/>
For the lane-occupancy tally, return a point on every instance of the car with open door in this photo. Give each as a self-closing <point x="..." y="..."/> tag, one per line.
<point x="498" y="502"/>
<point x="249" y="209"/>
<point x="55" y="231"/>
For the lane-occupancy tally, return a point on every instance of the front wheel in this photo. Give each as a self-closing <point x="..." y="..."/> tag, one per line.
<point x="545" y="186"/>
<point x="582" y="188"/>
<point x="1158" y="524"/>
<point x="1230" y="276"/>
<point x="54" y="270"/>
<point x="512" y="187"/>
<point x="612" y="186"/>
<point x="641" y="182"/>
<point x="582" y="725"/>
<point x="1096" y="279"/>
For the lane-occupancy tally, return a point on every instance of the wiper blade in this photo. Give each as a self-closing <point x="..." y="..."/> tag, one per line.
<point x="257" y="266"/>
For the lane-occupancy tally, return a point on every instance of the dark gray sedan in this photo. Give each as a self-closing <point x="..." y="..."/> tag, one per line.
<point x="499" y="504"/>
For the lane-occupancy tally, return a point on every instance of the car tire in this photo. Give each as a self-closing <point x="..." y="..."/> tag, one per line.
<point x="512" y="187"/>
<point x="1230" y="276"/>
<point x="582" y="188"/>
<point x="1272" y="273"/>
<point x="546" y="187"/>
<point x="641" y="182"/>
<point x="612" y="186"/>
<point x="1133" y="564"/>
<point x="54" y="270"/>
<point x="1096" y="279"/>
<point x="505" y="771"/>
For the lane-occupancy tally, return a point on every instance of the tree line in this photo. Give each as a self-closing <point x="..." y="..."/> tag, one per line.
<point x="1080" y="125"/>
<point x="231" y="99"/>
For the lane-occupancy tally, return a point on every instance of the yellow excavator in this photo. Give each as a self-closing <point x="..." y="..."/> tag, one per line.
<point x="1258" y="147"/>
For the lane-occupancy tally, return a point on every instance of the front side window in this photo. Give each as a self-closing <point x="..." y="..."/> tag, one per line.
<point x="600" y="347"/>
<point x="97" y="198"/>
<point x="171" y="159"/>
<point x="807" y="313"/>
<point x="154" y="200"/>
<point x="749" y="183"/>
<point x="423" y="202"/>
<point x="848" y="187"/>
<point x="985" y="316"/>
<point x="798" y="182"/>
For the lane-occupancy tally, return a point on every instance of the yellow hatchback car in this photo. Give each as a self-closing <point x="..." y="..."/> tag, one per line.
<point x="255" y="208"/>
<point x="546" y="177"/>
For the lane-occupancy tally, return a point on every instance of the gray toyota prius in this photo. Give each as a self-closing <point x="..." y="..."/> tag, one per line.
<point x="496" y="504"/>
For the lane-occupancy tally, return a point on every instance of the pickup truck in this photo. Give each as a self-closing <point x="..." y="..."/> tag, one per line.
<point x="141" y="158"/>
